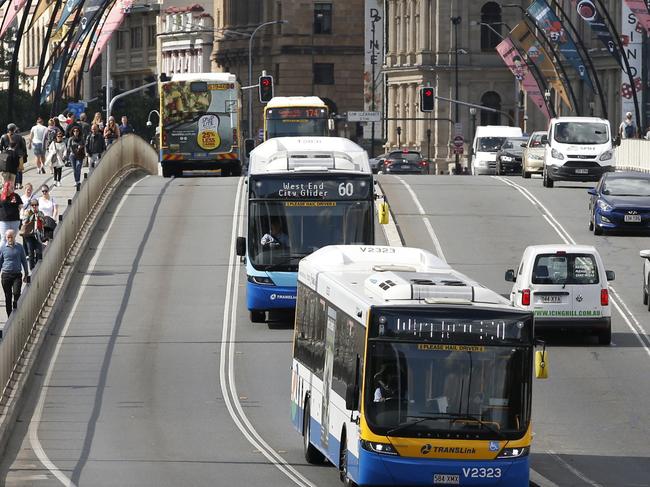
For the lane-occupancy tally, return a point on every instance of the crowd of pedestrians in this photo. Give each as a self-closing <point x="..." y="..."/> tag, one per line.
<point x="64" y="141"/>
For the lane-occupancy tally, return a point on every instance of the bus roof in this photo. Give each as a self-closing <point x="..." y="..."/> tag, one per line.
<point x="356" y="277"/>
<point x="216" y="77"/>
<point x="295" y="101"/>
<point x="323" y="154"/>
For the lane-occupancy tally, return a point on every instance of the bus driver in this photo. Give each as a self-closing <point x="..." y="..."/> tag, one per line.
<point x="275" y="237"/>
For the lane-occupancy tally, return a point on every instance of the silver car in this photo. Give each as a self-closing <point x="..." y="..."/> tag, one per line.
<point x="533" y="158"/>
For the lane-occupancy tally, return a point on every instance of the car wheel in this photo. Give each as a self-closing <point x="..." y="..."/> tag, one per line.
<point x="645" y="296"/>
<point x="258" y="316"/>
<point x="312" y="455"/>
<point x="597" y="230"/>
<point x="605" y="337"/>
<point x="526" y="175"/>
<point x="547" y="181"/>
<point x="591" y="223"/>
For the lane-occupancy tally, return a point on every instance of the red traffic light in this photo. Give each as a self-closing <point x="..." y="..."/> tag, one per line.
<point x="426" y="99"/>
<point x="428" y="92"/>
<point x="265" y="88"/>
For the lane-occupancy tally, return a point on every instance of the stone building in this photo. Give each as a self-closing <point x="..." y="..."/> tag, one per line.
<point x="319" y="51"/>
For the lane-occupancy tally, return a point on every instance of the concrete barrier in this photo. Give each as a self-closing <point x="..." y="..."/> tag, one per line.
<point x="22" y="335"/>
<point x="633" y="155"/>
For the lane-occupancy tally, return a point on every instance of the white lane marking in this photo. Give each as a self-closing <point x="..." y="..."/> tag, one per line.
<point x="574" y="470"/>
<point x="616" y="299"/>
<point x="425" y="220"/>
<point x="226" y="360"/>
<point x="38" y="412"/>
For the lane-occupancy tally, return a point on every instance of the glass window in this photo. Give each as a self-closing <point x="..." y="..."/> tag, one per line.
<point x="323" y="73"/>
<point x="565" y="269"/>
<point x="120" y="40"/>
<point x="490" y="144"/>
<point x="151" y="35"/>
<point x="322" y="18"/>
<point x="626" y="187"/>
<point x="491" y="99"/>
<point x="581" y="133"/>
<point x="136" y="37"/>
<point x="490" y="22"/>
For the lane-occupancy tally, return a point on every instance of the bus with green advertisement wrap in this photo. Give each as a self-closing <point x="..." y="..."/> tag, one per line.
<point x="406" y="372"/>
<point x="199" y="124"/>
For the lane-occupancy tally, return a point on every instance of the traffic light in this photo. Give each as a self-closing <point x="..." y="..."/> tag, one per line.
<point x="266" y="88"/>
<point x="426" y="99"/>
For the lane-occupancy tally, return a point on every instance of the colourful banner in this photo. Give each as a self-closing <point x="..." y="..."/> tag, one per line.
<point x="53" y="79"/>
<point x="111" y="24"/>
<point x="588" y="11"/>
<point x="91" y="15"/>
<point x="547" y="21"/>
<point x="632" y="38"/>
<point x="525" y="39"/>
<point x="518" y="67"/>
<point x="40" y="9"/>
<point x="640" y="11"/>
<point x="68" y="9"/>
<point x="12" y="11"/>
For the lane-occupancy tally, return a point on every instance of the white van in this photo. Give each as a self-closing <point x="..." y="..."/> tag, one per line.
<point x="579" y="149"/>
<point x="487" y="142"/>
<point x="565" y="286"/>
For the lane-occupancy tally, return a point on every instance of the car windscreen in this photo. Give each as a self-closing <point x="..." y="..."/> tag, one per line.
<point x="565" y="268"/>
<point x="581" y="133"/>
<point x="513" y="144"/>
<point x="490" y="144"/>
<point x="626" y="187"/>
<point x="537" y="140"/>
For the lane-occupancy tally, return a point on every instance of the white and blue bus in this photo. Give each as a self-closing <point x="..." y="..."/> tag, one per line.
<point x="406" y="372"/>
<point x="303" y="193"/>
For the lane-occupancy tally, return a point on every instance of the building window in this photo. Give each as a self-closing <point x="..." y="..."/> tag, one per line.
<point x="136" y="37"/>
<point x="151" y="35"/>
<point x="323" y="73"/>
<point x="120" y="40"/>
<point x="490" y="15"/>
<point x="491" y="99"/>
<point x="322" y="18"/>
<point x="276" y="74"/>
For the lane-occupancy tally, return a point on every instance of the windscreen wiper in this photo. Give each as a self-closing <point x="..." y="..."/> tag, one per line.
<point x="419" y="419"/>
<point x="471" y="417"/>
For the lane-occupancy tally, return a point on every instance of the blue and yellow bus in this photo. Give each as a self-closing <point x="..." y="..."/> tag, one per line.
<point x="296" y="116"/>
<point x="406" y="372"/>
<point x="303" y="193"/>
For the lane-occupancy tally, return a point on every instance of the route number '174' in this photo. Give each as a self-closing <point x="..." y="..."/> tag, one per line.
<point x="346" y="189"/>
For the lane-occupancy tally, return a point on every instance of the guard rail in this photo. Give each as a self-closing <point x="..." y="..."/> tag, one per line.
<point x="633" y="155"/>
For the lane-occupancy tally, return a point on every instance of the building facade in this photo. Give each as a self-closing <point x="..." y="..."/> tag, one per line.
<point x="319" y="51"/>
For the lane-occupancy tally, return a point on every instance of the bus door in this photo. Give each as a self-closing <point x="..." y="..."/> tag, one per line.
<point x="327" y="376"/>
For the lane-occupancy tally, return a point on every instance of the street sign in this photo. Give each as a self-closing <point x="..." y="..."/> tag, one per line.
<point x="458" y="128"/>
<point x="364" y="117"/>
<point x="459" y="141"/>
<point x="458" y="150"/>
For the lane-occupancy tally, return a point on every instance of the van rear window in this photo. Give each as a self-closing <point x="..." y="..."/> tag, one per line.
<point x="565" y="269"/>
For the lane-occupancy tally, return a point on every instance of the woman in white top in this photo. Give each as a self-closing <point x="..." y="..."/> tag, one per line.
<point x="56" y="157"/>
<point x="47" y="204"/>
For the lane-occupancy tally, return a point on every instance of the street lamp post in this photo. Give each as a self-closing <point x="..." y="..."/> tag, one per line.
<point x="250" y="71"/>
<point x="456" y="22"/>
<point x="472" y="112"/>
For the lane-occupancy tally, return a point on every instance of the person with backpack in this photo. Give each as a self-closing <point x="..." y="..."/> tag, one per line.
<point x="95" y="146"/>
<point x="76" y="153"/>
<point x="627" y="129"/>
<point x="10" y="154"/>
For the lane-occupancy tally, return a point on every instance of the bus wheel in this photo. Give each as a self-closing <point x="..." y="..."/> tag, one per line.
<point x="258" y="316"/>
<point x="312" y="455"/>
<point x="225" y="172"/>
<point x="343" y="464"/>
<point x="167" y="171"/>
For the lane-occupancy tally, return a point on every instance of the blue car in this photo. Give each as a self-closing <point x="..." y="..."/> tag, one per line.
<point x="620" y="201"/>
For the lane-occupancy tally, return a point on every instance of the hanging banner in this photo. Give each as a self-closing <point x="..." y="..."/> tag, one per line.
<point x="525" y="39"/>
<point x="40" y="9"/>
<point x="640" y="11"/>
<point x="91" y="15"/>
<point x="548" y="22"/>
<point x="68" y="9"/>
<point x="53" y="78"/>
<point x="12" y="11"/>
<point x="111" y="24"/>
<point x="632" y="38"/>
<point x="589" y="13"/>
<point x="512" y="57"/>
<point x="373" y="60"/>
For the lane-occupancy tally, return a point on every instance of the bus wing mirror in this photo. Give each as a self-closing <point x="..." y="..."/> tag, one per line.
<point x="645" y="254"/>
<point x="541" y="364"/>
<point x="351" y="397"/>
<point x="611" y="275"/>
<point x="384" y="213"/>
<point x="330" y="124"/>
<point x="249" y="145"/>
<point x="241" y="246"/>
<point x="510" y="275"/>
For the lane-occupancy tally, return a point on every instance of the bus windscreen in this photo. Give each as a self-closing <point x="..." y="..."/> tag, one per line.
<point x="296" y="121"/>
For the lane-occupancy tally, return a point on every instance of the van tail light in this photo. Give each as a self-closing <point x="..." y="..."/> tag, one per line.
<point x="604" y="297"/>
<point x="525" y="297"/>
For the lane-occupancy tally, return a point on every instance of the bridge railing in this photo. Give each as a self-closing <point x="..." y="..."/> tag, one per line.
<point x="21" y="334"/>
<point x="633" y="155"/>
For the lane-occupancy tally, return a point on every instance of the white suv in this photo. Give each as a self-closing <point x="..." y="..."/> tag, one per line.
<point x="565" y="286"/>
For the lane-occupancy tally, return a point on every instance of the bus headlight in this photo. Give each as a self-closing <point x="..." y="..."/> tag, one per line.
<point x="383" y="448"/>
<point x="514" y="452"/>
<point x="261" y="280"/>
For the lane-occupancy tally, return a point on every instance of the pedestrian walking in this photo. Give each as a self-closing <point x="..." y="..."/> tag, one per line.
<point x="10" y="206"/>
<point x="32" y="231"/>
<point x="12" y="258"/>
<point x="628" y="129"/>
<point x="72" y="123"/>
<point x="111" y="132"/>
<point x="76" y="153"/>
<point x="85" y="126"/>
<point x="56" y="155"/>
<point x="95" y="146"/>
<point x="8" y="158"/>
<point x="27" y="197"/>
<point x="37" y="144"/>
<point x="12" y="140"/>
<point x="63" y="122"/>
<point x="125" y="128"/>
<point x="47" y="204"/>
<point x="98" y="120"/>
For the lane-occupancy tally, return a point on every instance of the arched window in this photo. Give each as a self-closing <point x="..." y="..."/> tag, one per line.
<point x="491" y="99"/>
<point x="490" y="15"/>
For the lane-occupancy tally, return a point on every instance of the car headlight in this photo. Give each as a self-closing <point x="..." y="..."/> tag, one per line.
<point x="506" y="158"/>
<point x="604" y="206"/>
<point x="514" y="452"/>
<point x="383" y="448"/>
<point x="556" y="154"/>
<point x="262" y="280"/>
<point x="606" y="156"/>
<point x="536" y="157"/>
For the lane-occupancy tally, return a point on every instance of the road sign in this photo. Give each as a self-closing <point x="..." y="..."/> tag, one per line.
<point x="458" y="149"/>
<point x="458" y="128"/>
<point x="364" y="117"/>
<point x="459" y="141"/>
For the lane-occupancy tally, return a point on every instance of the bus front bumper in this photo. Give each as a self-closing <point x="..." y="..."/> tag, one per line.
<point x="383" y="470"/>
<point x="265" y="298"/>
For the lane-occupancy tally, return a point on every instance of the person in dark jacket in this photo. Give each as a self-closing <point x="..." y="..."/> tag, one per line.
<point x="10" y="205"/>
<point x="12" y="140"/>
<point x="33" y="231"/>
<point x="72" y="123"/>
<point x="76" y="153"/>
<point x="95" y="145"/>
<point x="12" y="257"/>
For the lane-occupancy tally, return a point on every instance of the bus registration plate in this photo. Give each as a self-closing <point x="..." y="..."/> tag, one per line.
<point x="446" y="479"/>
